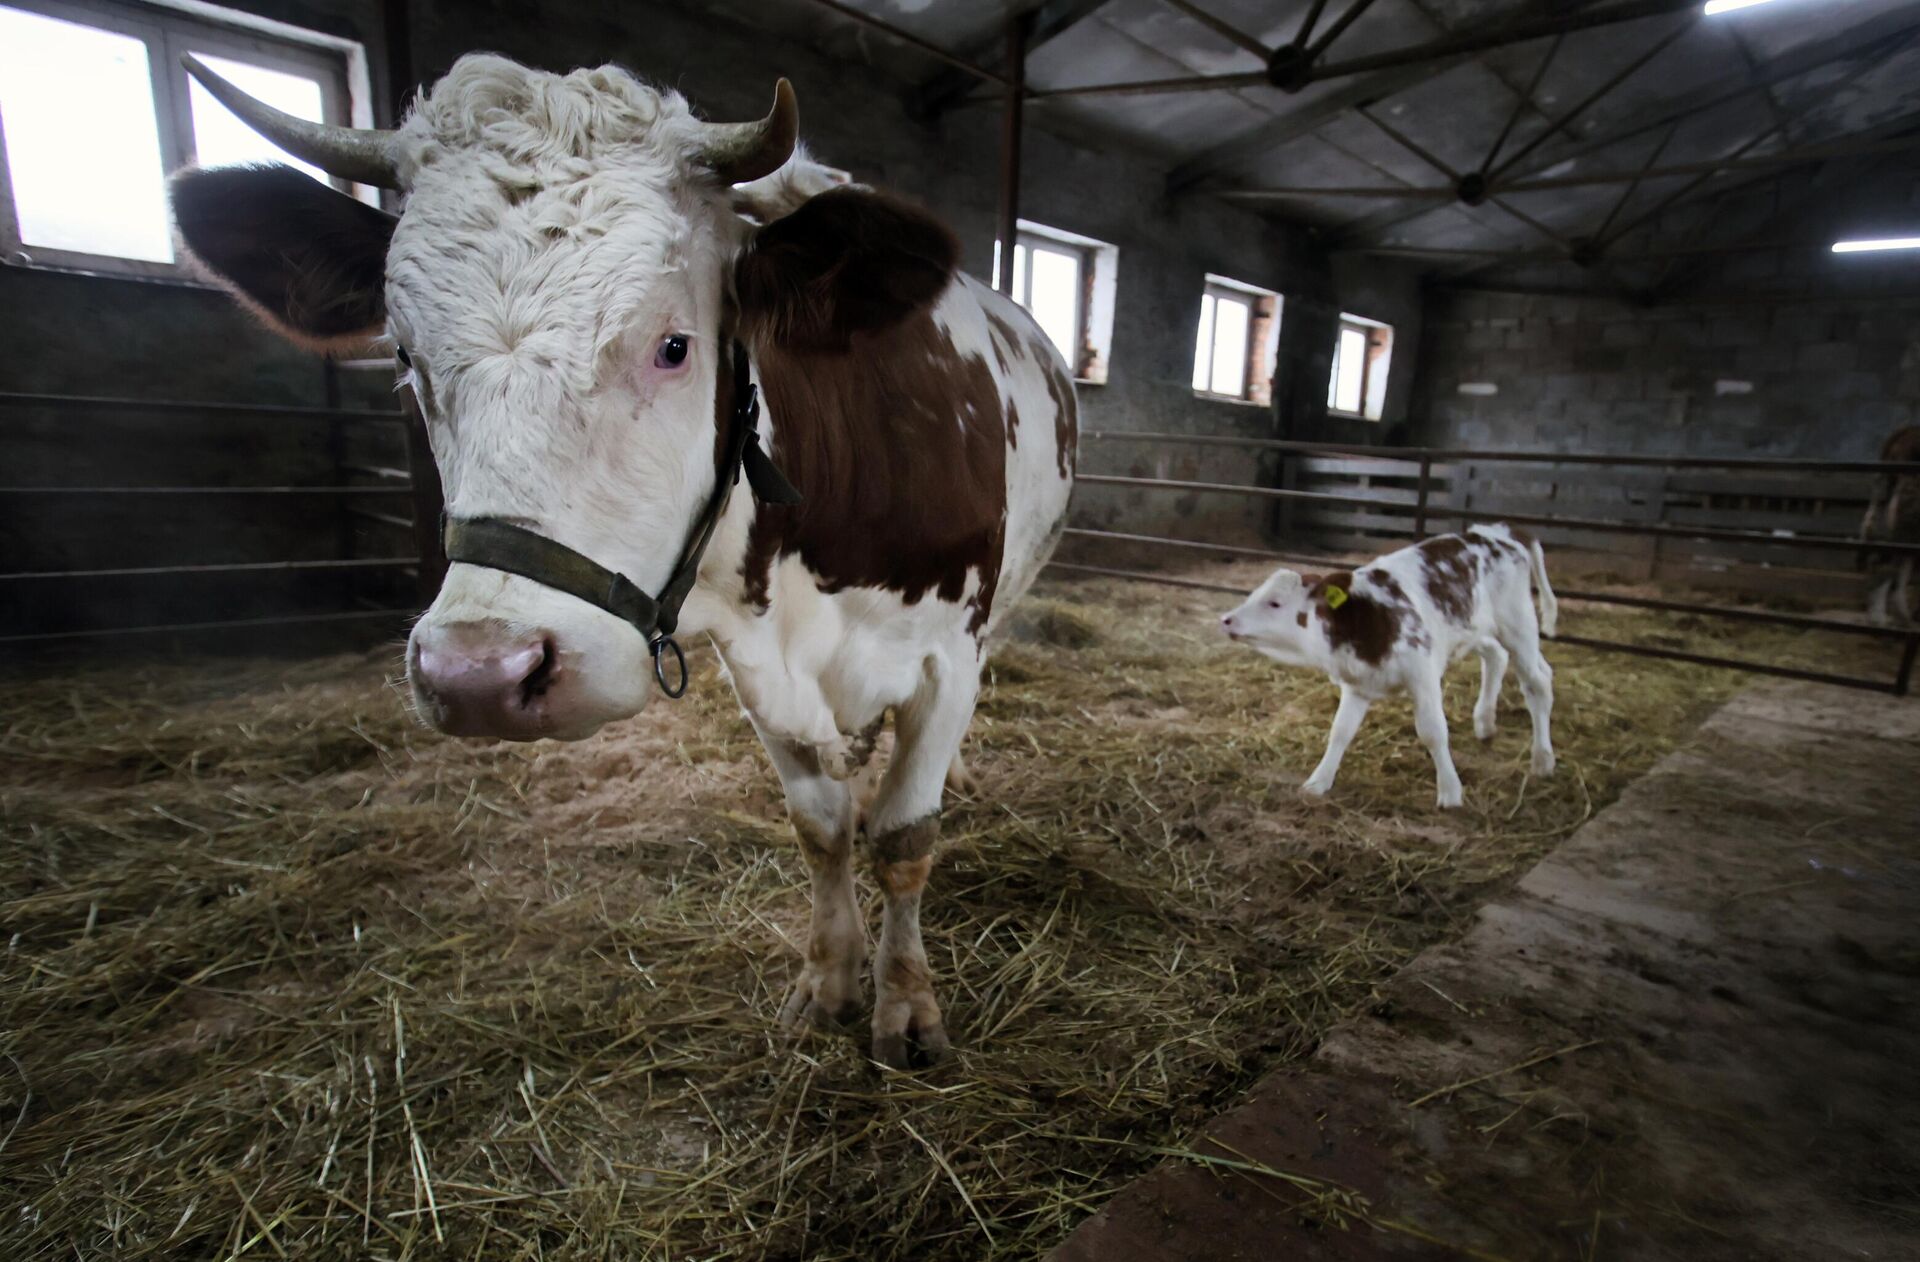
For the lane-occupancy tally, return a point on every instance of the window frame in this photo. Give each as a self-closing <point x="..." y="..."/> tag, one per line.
<point x="1255" y="356"/>
<point x="167" y="33"/>
<point x="1225" y="293"/>
<point x="1372" y="331"/>
<point x="1083" y="271"/>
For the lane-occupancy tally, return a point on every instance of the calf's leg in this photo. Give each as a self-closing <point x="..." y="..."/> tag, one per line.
<point x="821" y="807"/>
<point x="1346" y="721"/>
<point x="1430" y="724"/>
<point x="1493" y="671"/>
<point x="903" y="825"/>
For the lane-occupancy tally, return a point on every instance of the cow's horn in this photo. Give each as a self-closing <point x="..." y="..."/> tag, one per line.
<point x="363" y="155"/>
<point x="740" y="152"/>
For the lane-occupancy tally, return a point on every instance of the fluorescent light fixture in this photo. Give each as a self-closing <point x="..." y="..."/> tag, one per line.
<point x="1884" y="243"/>
<point x="1728" y="6"/>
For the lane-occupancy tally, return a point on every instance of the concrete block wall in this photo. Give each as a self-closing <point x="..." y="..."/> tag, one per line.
<point x="1812" y="379"/>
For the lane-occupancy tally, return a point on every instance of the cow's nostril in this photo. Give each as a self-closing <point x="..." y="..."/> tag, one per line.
<point x="540" y="678"/>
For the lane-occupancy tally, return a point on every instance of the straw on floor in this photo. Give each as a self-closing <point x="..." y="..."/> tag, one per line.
<point x="286" y="975"/>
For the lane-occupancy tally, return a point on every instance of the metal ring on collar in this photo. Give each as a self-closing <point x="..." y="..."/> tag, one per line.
<point x="658" y="648"/>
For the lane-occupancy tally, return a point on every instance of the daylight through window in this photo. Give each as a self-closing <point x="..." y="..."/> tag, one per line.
<point x="95" y="109"/>
<point x="1362" y="351"/>
<point x="1233" y="348"/>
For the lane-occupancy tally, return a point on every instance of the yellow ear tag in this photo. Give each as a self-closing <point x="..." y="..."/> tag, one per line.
<point x="1336" y="597"/>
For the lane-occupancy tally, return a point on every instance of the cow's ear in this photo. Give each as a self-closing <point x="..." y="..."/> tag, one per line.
<point x="309" y="260"/>
<point x="847" y="261"/>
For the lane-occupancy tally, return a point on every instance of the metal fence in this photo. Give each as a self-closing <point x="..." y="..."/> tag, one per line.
<point x="1422" y="508"/>
<point x="388" y="496"/>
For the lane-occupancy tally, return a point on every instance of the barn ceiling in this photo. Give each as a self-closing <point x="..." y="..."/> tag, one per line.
<point x="1614" y="143"/>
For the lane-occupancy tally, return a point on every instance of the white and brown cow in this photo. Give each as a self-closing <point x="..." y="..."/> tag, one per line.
<point x="1893" y="515"/>
<point x="1400" y="621"/>
<point x="562" y="289"/>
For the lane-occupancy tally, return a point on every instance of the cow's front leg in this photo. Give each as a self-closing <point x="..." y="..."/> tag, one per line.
<point x="903" y="826"/>
<point x="821" y="807"/>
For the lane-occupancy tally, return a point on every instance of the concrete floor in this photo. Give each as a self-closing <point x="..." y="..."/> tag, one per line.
<point x="1692" y="1033"/>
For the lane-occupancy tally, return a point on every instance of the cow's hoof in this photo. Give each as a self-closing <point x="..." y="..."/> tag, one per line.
<point x="1483" y="731"/>
<point x="913" y="1049"/>
<point x="1543" y="763"/>
<point x="814" y="1005"/>
<point x="1450" y="801"/>
<point x="1314" y="789"/>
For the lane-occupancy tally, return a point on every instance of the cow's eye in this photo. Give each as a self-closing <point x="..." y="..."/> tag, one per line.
<point x="1273" y="604"/>
<point x="400" y="353"/>
<point x="672" y="352"/>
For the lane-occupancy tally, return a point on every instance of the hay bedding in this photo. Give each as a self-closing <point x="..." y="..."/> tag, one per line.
<point x="287" y="976"/>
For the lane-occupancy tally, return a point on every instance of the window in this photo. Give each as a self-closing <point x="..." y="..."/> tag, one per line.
<point x="1067" y="282"/>
<point x="1362" y="350"/>
<point x="95" y="110"/>
<point x="1233" y="350"/>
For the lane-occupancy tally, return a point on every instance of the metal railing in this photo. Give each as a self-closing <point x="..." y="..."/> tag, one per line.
<point x="1423" y="508"/>
<point x="393" y="483"/>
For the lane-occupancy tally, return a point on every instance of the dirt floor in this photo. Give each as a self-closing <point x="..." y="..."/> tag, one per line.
<point x="1687" y="1035"/>
<point x="286" y="973"/>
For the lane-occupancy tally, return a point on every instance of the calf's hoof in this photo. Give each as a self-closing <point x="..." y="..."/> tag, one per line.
<point x="1543" y="762"/>
<point x="1483" y="731"/>
<point x="916" y="1047"/>
<point x="1315" y="789"/>
<point x="1449" y="799"/>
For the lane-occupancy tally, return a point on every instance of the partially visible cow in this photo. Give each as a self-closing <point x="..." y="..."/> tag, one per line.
<point x="1398" y="622"/>
<point x="578" y="256"/>
<point x="1893" y="516"/>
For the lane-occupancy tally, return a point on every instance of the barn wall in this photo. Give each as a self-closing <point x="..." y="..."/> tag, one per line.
<point x="1824" y="380"/>
<point x="100" y="336"/>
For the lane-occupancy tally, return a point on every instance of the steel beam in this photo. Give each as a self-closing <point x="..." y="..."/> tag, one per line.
<point x="1226" y="31"/>
<point x="1709" y="96"/>
<point x="950" y="87"/>
<point x="1012" y="121"/>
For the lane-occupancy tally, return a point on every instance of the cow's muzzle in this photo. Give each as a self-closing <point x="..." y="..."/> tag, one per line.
<point x="484" y="679"/>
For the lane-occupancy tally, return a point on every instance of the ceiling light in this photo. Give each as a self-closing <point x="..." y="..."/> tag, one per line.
<point x="1883" y="243"/>
<point x="1728" y="6"/>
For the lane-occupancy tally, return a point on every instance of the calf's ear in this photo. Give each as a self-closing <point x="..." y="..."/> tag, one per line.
<point x="847" y="261"/>
<point x="307" y="259"/>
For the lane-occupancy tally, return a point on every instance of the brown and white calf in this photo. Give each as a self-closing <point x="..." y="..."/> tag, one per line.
<point x="1400" y="621"/>
<point x="1893" y="515"/>
<point x="576" y="257"/>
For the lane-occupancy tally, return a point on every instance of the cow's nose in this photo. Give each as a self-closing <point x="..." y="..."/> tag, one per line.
<point x="484" y="679"/>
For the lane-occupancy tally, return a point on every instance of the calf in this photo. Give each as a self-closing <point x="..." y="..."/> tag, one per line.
<point x="1400" y="621"/>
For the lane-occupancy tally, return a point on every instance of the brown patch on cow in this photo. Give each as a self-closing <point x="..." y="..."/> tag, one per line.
<point x="903" y="880"/>
<point x="896" y="440"/>
<point x="1302" y="619"/>
<point x="899" y="449"/>
<point x="1394" y="596"/>
<point x="848" y="262"/>
<point x="1363" y="624"/>
<point x="1005" y="338"/>
<point x="1066" y="417"/>
<point x="908" y="844"/>
<point x="1451" y="569"/>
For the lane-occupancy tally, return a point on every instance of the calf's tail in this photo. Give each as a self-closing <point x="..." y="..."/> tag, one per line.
<point x="1549" y="604"/>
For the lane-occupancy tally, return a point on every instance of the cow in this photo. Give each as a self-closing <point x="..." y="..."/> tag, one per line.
<point x="591" y="294"/>
<point x="1893" y="516"/>
<point x="1399" y="621"/>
